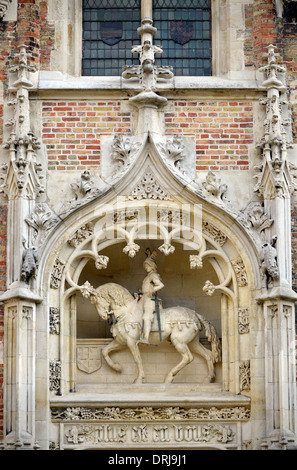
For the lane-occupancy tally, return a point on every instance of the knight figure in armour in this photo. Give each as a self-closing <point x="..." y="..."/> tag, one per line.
<point x="151" y="284"/>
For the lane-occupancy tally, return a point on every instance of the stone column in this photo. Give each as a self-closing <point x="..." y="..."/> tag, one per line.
<point x="275" y="183"/>
<point x="19" y="395"/>
<point x="22" y="185"/>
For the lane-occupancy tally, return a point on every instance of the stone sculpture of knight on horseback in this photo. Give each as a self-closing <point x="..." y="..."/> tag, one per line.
<point x="132" y="321"/>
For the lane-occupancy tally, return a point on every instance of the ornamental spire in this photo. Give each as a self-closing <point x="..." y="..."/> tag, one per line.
<point x="148" y="75"/>
<point x="147" y="72"/>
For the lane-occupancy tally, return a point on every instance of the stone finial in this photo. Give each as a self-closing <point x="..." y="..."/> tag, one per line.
<point x="272" y="69"/>
<point x="147" y="72"/>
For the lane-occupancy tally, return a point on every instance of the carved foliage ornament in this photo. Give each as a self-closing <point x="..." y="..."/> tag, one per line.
<point x="213" y="187"/>
<point x="57" y="273"/>
<point x="149" y="188"/>
<point x="214" y="233"/>
<point x="255" y="217"/>
<point x="150" y="414"/>
<point x="55" y="375"/>
<point x="54" y="321"/>
<point x="173" y="151"/>
<point x="243" y="320"/>
<point x="123" y="150"/>
<point x="42" y="220"/>
<point x="84" y="190"/>
<point x="245" y="376"/>
<point x="240" y="272"/>
<point x="81" y="234"/>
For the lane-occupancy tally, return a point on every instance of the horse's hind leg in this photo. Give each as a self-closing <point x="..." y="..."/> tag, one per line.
<point x="200" y="350"/>
<point x="113" y="346"/>
<point x="187" y="357"/>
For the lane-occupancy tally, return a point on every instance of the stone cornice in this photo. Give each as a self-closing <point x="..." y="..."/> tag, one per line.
<point x="51" y="82"/>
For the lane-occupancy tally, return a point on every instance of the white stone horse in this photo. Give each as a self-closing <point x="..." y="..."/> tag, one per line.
<point x="181" y="327"/>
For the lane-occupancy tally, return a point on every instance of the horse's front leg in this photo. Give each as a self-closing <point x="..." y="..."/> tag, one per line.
<point x="113" y="346"/>
<point x="133" y="346"/>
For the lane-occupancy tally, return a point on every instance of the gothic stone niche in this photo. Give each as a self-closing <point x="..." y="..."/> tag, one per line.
<point x="182" y="287"/>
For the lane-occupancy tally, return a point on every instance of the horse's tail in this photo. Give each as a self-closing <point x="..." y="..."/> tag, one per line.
<point x="212" y="337"/>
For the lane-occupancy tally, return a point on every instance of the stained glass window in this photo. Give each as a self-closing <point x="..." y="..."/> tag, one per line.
<point x="184" y="31"/>
<point x="109" y="32"/>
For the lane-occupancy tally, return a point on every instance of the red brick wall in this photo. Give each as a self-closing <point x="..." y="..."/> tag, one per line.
<point x="223" y="131"/>
<point x="72" y="131"/>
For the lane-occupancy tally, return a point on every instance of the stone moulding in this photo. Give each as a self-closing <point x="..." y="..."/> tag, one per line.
<point x="70" y="414"/>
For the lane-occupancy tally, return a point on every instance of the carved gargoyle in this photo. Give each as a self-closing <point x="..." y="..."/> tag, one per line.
<point x="269" y="261"/>
<point x="29" y="263"/>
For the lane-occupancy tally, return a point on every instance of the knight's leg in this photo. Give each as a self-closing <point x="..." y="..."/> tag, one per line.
<point x="113" y="346"/>
<point x="186" y="355"/>
<point x="146" y="332"/>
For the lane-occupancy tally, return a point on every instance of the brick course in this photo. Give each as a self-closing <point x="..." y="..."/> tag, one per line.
<point x="72" y="131"/>
<point x="223" y="131"/>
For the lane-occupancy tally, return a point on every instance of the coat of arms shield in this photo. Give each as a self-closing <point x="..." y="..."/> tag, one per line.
<point x="181" y="31"/>
<point x="89" y="359"/>
<point x="111" y="32"/>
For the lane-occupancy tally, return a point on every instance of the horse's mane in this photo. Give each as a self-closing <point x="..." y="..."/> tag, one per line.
<point x="115" y="292"/>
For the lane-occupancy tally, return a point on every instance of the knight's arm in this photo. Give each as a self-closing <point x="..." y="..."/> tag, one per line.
<point x="158" y="284"/>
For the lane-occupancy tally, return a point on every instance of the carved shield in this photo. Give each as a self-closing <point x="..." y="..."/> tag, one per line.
<point x="89" y="359"/>
<point x="181" y="31"/>
<point x="111" y="32"/>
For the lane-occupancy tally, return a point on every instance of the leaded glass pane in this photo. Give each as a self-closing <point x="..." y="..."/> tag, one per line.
<point x="109" y="31"/>
<point x="184" y="30"/>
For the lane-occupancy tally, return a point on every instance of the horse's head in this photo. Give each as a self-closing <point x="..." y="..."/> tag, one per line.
<point x="100" y="300"/>
<point x="102" y="306"/>
<point x="107" y="298"/>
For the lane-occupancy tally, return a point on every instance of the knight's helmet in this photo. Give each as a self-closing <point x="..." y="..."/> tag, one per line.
<point x="150" y="260"/>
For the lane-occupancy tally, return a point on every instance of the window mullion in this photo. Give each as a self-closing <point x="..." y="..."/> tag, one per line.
<point x="146" y="9"/>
